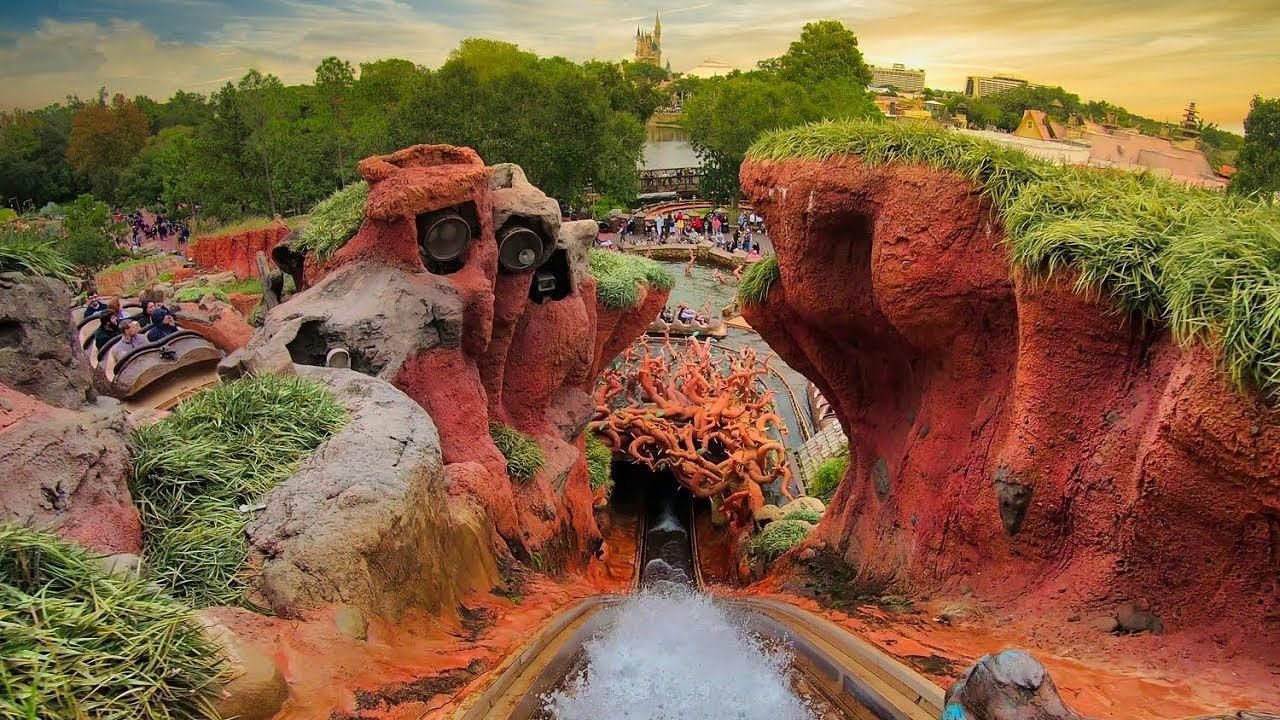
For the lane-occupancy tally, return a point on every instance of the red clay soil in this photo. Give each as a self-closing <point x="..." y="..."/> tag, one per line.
<point x="244" y="303"/>
<point x="416" y="667"/>
<point x="237" y="251"/>
<point x="1014" y="437"/>
<point x="223" y="325"/>
<point x="1134" y="677"/>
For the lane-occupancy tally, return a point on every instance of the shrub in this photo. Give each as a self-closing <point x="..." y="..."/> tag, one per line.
<point x="90" y="233"/>
<point x="599" y="462"/>
<point x="257" y="315"/>
<point x="34" y="253"/>
<point x="78" y="643"/>
<point x="619" y="275"/>
<point x="8" y="215"/>
<point x="778" y="537"/>
<point x="828" y="475"/>
<point x="1205" y="264"/>
<point x="756" y="281"/>
<point x="524" y="457"/>
<point x="334" y="221"/>
<point x="193" y="294"/>
<point x="221" y="450"/>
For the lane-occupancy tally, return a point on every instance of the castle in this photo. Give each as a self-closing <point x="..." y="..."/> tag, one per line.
<point x="649" y="45"/>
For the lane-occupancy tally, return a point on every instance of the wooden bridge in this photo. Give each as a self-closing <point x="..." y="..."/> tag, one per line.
<point x="681" y="182"/>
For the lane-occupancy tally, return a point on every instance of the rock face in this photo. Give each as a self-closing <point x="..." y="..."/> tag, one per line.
<point x="68" y="472"/>
<point x="366" y="520"/>
<point x="236" y="251"/>
<point x="218" y="322"/>
<point x="255" y="689"/>
<point x="1008" y="434"/>
<point x="117" y="282"/>
<point x="470" y="339"/>
<point x="35" y="342"/>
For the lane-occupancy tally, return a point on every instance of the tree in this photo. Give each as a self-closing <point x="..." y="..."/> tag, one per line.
<point x="1258" y="163"/>
<point x="105" y="137"/>
<point x="826" y="51"/>
<point x="334" y="80"/>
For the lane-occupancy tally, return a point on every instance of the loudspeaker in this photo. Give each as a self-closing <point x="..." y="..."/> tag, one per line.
<point x="443" y="237"/>
<point x="519" y="248"/>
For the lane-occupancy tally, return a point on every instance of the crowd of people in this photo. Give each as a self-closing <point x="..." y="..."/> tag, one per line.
<point x="154" y="228"/>
<point x="157" y="319"/>
<point x="711" y="226"/>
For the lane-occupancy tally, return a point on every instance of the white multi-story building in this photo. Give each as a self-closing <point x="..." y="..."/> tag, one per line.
<point x="898" y="76"/>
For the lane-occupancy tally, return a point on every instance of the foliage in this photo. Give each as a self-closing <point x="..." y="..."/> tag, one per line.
<point x="33" y="253"/>
<point x="194" y="294"/>
<point x="1258" y="163"/>
<point x="778" y="537"/>
<point x="79" y="643"/>
<point x="105" y="137"/>
<point x="90" y="233"/>
<point x="1205" y="264"/>
<point x="221" y="449"/>
<point x="619" y="275"/>
<point x="758" y="279"/>
<point x="7" y="215"/>
<point x="524" y="457"/>
<point x="34" y="169"/>
<point x="826" y="51"/>
<point x="257" y="315"/>
<point x="809" y="515"/>
<point x="599" y="462"/>
<point x="131" y="262"/>
<point x="828" y="475"/>
<point x="334" y="221"/>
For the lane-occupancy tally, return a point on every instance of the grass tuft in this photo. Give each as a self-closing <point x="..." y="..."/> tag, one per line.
<point x="524" y="457"/>
<point x="79" y="643"/>
<point x="334" y="221"/>
<point x="778" y="537"/>
<point x="813" y="517"/>
<point x="599" y="463"/>
<point x="193" y="294"/>
<point x="223" y="449"/>
<point x="34" y="253"/>
<point x="1204" y="264"/>
<point x="757" y="280"/>
<point x="619" y="275"/>
<point x="828" y="475"/>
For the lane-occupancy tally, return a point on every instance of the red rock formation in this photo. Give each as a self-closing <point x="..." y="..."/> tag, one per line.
<point x="221" y="325"/>
<point x="117" y="282"/>
<point x="1011" y="435"/>
<point x="467" y="342"/>
<point x="244" y="303"/>
<point x="236" y="251"/>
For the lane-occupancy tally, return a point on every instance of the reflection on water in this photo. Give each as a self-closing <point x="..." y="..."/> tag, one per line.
<point x="666" y="147"/>
<point x="674" y="654"/>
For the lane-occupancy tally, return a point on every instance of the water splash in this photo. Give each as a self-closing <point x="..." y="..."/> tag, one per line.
<point x="671" y="653"/>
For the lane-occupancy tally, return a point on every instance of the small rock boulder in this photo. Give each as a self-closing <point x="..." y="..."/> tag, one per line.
<point x="36" y="357"/>
<point x="1132" y="619"/>
<point x="807" y="502"/>
<point x="1010" y="685"/>
<point x="256" y="689"/>
<point x="767" y="514"/>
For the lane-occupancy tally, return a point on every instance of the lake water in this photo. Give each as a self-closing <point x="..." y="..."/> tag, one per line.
<point x="667" y="147"/>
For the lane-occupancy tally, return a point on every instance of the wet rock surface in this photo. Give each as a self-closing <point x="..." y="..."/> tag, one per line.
<point x="36" y="357"/>
<point x="1009" y="685"/>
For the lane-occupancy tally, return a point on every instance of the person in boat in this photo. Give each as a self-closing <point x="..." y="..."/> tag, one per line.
<point x="666" y="315"/>
<point x="116" y="311"/>
<point x="95" y="304"/>
<point x="684" y="313"/>
<point x="163" y="324"/>
<point x="108" y="327"/>
<point x="131" y="338"/>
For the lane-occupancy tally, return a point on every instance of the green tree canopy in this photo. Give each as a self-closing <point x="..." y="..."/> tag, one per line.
<point x="105" y="137"/>
<point x="826" y="51"/>
<point x="1258" y="163"/>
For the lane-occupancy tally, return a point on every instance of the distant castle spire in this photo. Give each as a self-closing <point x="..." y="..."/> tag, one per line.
<point x="649" y="45"/>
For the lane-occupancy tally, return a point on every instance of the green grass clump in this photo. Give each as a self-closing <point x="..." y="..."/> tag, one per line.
<point x="808" y="515"/>
<point x="756" y="281"/>
<point x="619" y="275"/>
<point x="524" y="457"/>
<point x="1204" y="264"/>
<point x="599" y="462"/>
<point x="224" y="448"/>
<point x="778" y="537"/>
<point x="131" y="263"/>
<point x="34" y="253"/>
<point x="193" y="294"/>
<point x="247" y="286"/>
<point x="76" y="642"/>
<point x="8" y="215"/>
<point x="334" y="221"/>
<point x="828" y="475"/>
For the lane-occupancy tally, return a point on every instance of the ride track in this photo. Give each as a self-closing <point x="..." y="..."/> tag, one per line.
<point x="851" y="674"/>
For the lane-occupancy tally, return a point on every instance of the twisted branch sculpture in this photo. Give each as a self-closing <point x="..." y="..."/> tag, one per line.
<point x="705" y="420"/>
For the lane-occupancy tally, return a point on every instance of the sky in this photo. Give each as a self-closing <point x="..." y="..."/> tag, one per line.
<point x="1151" y="56"/>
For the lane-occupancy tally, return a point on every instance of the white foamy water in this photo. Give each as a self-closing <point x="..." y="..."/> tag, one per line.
<point x="670" y="653"/>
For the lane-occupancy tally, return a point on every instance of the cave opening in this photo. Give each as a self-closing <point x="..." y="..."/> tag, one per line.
<point x="313" y="346"/>
<point x="551" y="281"/>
